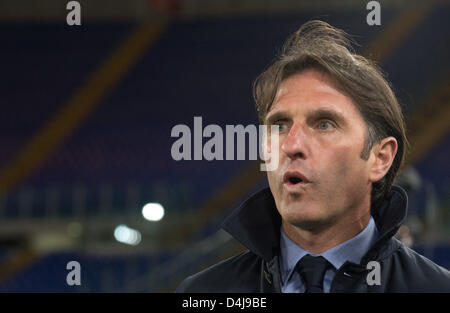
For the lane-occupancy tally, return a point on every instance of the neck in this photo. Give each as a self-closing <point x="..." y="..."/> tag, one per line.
<point x="320" y="240"/>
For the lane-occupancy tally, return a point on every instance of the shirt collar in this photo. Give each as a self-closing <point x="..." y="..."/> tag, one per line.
<point x="351" y="250"/>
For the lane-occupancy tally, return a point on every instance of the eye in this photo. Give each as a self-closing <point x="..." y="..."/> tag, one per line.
<point x="281" y="127"/>
<point x="325" y="125"/>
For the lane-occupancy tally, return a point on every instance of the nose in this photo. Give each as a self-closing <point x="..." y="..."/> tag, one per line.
<point x="294" y="144"/>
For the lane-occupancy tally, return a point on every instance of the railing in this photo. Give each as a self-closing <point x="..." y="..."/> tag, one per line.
<point x="77" y="200"/>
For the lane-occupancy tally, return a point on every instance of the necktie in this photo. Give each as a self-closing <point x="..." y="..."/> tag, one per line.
<point x="311" y="270"/>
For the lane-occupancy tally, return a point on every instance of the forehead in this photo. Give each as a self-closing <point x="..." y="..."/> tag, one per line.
<point x="311" y="90"/>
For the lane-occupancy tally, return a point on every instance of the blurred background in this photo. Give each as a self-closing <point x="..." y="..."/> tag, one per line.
<point x="86" y="172"/>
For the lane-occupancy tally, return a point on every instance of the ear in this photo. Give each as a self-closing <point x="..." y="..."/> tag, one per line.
<point x="382" y="156"/>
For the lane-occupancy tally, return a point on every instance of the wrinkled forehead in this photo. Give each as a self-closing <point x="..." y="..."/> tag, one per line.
<point x="297" y="80"/>
<point x="311" y="90"/>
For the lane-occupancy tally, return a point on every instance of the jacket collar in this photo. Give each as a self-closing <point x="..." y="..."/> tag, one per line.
<point x="256" y="223"/>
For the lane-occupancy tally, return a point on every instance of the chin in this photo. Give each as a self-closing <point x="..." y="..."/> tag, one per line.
<point x="308" y="219"/>
<point x="312" y="225"/>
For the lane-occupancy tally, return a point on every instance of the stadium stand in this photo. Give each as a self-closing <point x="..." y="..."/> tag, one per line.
<point x="118" y="157"/>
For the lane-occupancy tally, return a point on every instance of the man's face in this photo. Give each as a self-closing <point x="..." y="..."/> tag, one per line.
<point x="321" y="178"/>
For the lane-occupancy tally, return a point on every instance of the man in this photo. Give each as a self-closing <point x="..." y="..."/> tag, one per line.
<point x="327" y="222"/>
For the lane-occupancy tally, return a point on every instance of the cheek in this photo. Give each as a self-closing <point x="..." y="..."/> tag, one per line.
<point x="273" y="179"/>
<point x="344" y="170"/>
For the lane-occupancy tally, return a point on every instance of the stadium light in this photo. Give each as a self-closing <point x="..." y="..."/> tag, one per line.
<point x="127" y="235"/>
<point x="153" y="212"/>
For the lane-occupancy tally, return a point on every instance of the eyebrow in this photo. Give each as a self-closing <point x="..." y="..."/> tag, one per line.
<point x="312" y="115"/>
<point x="278" y="115"/>
<point x="326" y="114"/>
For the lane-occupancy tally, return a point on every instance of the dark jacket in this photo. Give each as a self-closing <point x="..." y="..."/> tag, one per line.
<point x="256" y="224"/>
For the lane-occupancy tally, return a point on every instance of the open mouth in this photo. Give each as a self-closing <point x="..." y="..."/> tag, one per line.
<point x="294" y="178"/>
